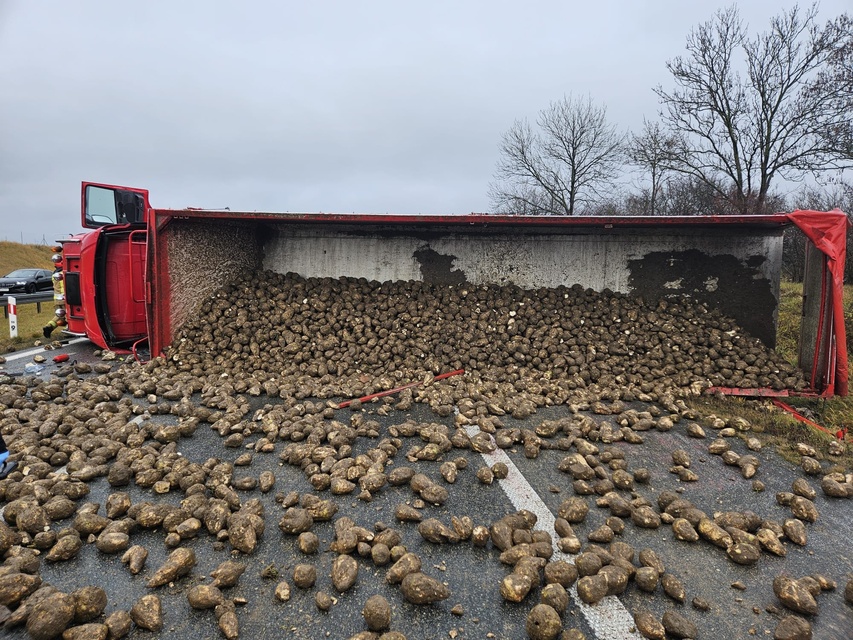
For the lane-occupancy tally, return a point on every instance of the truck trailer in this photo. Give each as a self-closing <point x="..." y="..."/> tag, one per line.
<point x="142" y="273"/>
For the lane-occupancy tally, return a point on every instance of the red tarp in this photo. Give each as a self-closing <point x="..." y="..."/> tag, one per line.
<point x="828" y="232"/>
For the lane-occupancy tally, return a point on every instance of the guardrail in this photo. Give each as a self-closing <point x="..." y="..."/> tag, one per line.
<point x="27" y="298"/>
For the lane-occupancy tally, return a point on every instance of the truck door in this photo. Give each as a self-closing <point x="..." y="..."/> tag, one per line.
<point x="115" y="273"/>
<point x="107" y="204"/>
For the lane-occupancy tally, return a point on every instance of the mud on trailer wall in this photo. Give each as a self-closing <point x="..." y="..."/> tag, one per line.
<point x="730" y="263"/>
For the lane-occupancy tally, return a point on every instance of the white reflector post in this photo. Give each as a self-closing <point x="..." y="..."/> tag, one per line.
<point x="12" y="304"/>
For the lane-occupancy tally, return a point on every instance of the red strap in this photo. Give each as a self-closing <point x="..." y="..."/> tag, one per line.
<point x="840" y="434"/>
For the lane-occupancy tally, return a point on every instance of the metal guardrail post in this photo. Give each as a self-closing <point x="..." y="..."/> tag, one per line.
<point x="32" y="298"/>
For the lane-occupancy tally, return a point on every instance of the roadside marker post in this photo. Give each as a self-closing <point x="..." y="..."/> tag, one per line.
<point x="12" y="305"/>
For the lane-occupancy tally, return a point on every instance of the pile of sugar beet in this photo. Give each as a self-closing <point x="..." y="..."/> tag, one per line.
<point x="619" y="366"/>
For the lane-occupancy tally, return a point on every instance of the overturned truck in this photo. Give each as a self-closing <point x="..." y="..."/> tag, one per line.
<point x="622" y="300"/>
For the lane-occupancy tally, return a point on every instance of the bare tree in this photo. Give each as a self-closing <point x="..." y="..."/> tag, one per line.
<point x="738" y="132"/>
<point x="653" y="151"/>
<point x="836" y="82"/>
<point x="685" y="195"/>
<point x="563" y="167"/>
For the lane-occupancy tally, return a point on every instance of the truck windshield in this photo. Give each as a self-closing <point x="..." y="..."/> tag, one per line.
<point x="109" y="206"/>
<point x="100" y="205"/>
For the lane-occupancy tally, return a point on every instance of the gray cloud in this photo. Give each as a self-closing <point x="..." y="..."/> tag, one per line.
<point x="337" y="106"/>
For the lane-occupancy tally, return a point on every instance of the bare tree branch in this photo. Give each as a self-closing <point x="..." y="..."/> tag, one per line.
<point x="653" y="151"/>
<point x="563" y="168"/>
<point x="787" y="116"/>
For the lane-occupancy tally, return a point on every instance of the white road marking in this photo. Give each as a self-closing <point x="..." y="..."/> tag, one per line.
<point x="31" y="352"/>
<point x="609" y="619"/>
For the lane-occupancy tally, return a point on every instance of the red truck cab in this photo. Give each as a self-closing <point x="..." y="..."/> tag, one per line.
<point x="104" y="269"/>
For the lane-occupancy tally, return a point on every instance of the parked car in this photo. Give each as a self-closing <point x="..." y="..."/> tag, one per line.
<point x="26" y="281"/>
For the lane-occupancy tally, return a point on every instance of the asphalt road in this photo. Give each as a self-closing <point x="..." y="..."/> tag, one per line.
<point x="473" y="574"/>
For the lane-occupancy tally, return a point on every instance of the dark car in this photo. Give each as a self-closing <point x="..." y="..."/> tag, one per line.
<point x="26" y="281"/>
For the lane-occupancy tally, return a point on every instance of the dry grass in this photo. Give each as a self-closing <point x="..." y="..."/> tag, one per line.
<point x="790" y="311"/>
<point x="775" y="427"/>
<point x="833" y="413"/>
<point x="21" y="256"/>
<point x="781" y="429"/>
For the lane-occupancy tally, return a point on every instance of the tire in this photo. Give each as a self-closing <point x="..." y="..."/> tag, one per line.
<point x="30" y="288"/>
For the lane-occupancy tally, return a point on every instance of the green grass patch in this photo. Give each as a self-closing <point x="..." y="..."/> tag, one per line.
<point x="790" y="314"/>
<point x="30" y="323"/>
<point x="832" y="413"/>
<point x="778" y="428"/>
<point x="13" y="256"/>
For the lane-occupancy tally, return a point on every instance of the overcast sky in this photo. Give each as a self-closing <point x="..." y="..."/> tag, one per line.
<point x="295" y="106"/>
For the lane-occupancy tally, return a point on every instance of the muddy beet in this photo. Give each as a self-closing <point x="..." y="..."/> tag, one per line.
<point x="344" y="572"/>
<point x="377" y="613"/>
<point x="678" y="626"/>
<point x="227" y="574"/>
<point x="50" y="617"/>
<point x="556" y="596"/>
<point x="90" y="631"/>
<point x="229" y="625"/>
<point x="179" y="563"/>
<point x="561" y="572"/>
<point x="515" y="587"/>
<point x="89" y="603"/>
<point x="66" y="547"/>
<point x="119" y="624"/>
<point x="135" y="558"/>
<point x="592" y="589"/>
<point x="147" y="613"/>
<point x="408" y="563"/>
<point x="543" y="623"/>
<point x="793" y="628"/>
<point x="204" y="596"/>
<point x="672" y="587"/>
<point x="649" y="626"/>
<point x="419" y="588"/>
<point x="304" y="576"/>
<point x="14" y="587"/>
<point x="647" y="579"/>
<point x="794" y="595"/>
<point x="744" y="553"/>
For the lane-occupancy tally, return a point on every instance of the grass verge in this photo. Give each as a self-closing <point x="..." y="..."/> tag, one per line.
<point x="14" y="255"/>
<point x="775" y="427"/>
<point x="780" y="428"/>
<point x="30" y="323"/>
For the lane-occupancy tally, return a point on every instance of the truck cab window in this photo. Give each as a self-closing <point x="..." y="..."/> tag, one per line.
<point x="113" y="206"/>
<point x="100" y="205"/>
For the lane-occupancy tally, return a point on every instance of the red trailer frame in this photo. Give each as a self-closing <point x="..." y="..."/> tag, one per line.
<point x="827" y="230"/>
